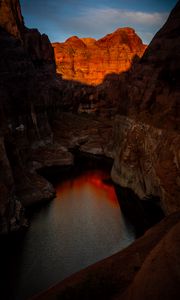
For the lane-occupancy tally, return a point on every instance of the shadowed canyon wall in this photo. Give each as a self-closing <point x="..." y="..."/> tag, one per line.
<point x="89" y="61"/>
<point x="27" y="83"/>
<point x="147" y="155"/>
<point x="154" y="84"/>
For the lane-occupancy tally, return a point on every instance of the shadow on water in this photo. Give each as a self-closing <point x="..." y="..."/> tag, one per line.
<point x="142" y="214"/>
<point x="89" y="219"/>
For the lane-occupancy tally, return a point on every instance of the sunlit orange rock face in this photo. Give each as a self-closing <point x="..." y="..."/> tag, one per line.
<point x="88" y="60"/>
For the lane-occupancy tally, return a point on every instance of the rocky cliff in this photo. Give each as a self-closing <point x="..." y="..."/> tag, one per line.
<point x="89" y="61"/>
<point x="147" y="161"/>
<point x="147" y="142"/>
<point x="11" y="18"/>
<point x="27" y="83"/>
<point x="153" y="89"/>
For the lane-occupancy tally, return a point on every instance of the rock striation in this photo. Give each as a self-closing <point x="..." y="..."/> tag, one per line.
<point x="146" y="159"/>
<point x="89" y="61"/>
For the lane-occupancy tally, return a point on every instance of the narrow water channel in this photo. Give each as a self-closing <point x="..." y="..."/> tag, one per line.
<point x="81" y="226"/>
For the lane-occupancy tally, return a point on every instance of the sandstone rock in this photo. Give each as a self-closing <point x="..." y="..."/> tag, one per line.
<point x="27" y="82"/>
<point x="92" y="147"/>
<point x="86" y="133"/>
<point x="147" y="156"/>
<point x="11" y="18"/>
<point x="51" y="155"/>
<point x="149" y="90"/>
<point x="34" y="189"/>
<point x="152" y="93"/>
<point x="11" y="210"/>
<point x="39" y="49"/>
<point x="88" y="41"/>
<point x="89" y="61"/>
<point x="159" y="277"/>
<point x="144" y="165"/>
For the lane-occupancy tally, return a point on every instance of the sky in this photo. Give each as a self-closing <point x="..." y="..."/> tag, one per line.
<point x="60" y="19"/>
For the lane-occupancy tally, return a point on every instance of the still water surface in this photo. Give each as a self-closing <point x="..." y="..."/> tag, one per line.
<point x="81" y="226"/>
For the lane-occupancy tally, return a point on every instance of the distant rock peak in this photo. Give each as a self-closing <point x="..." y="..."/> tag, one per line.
<point x="128" y="29"/>
<point x="88" y="41"/>
<point x="89" y="61"/>
<point x="72" y="39"/>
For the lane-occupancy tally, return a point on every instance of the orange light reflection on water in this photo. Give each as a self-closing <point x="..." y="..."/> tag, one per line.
<point x="94" y="180"/>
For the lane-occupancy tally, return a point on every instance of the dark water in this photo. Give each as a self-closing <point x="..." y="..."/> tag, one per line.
<point x="81" y="226"/>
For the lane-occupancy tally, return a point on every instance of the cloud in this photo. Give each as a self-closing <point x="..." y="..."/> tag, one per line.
<point x="95" y="16"/>
<point x="97" y="22"/>
<point x="77" y="17"/>
<point x="138" y="17"/>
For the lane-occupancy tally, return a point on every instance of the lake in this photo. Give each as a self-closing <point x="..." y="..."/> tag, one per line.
<point x="82" y="225"/>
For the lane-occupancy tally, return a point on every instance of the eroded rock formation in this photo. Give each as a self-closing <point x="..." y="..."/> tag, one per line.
<point x="89" y="61"/>
<point x="147" y="161"/>
<point x="153" y="89"/>
<point x="147" y="158"/>
<point x="27" y="82"/>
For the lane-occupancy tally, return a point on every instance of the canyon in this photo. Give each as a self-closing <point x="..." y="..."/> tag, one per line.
<point x="43" y="116"/>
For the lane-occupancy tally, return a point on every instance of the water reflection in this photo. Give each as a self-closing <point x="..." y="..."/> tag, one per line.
<point x="94" y="182"/>
<point x="82" y="225"/>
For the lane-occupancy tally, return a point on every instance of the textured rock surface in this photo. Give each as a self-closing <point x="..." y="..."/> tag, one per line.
<point x="86" y="133"/>
<point x="138" y="272"/>
<point x="147" y="161"/>
<point x="147" y="158"/>
<point x="51" y="155"/>
<point x="11" y="18"/>
<point x="159" y="277"/>
<point x="89" y="61"/>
